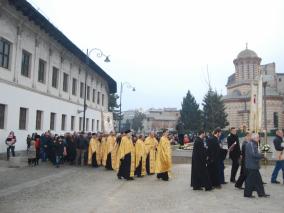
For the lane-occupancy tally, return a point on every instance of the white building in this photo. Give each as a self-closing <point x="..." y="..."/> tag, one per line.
<point x="42" y="78"/>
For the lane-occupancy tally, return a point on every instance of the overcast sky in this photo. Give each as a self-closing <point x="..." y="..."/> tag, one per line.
<point x="162" y="47"/>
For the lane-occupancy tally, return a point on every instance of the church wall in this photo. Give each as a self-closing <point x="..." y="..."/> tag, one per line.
<point x="280" y="83"/>
<point x="242" y="88"/>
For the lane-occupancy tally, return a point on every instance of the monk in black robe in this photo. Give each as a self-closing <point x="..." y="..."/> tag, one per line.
<point x="213" y="153"/>
<point x="199" y="172"/>
<point x="126" y="157"/>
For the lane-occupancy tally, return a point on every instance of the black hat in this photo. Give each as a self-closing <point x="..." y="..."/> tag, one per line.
<point x="127" y="131"/>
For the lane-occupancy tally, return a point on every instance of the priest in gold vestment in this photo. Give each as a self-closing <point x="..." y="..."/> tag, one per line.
<point x="126" y="157"/>
<point x="164" y="157"/>
<point x="151" y="144"/>
<point x="109" y="146"/>
<point x="94" y="154"/>
<point x="103" y="149"/>
<point x="140" y="157"/>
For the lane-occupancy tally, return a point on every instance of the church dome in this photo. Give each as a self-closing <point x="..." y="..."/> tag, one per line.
<point x="247" y="53"/>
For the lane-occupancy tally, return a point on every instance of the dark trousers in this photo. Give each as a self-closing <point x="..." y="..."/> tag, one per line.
<point x="242" y="176"/>
<point x="12" y="148"/>
<point x="234" y="169"/>
<point x="253" y="183"/>
<point x="58" y="160"/>
<point x="43" y="154"/>
<point x="278" y="166"/>
<point x="221" y="172"/>
<point x="180" y="138"/>
<point x="80" y="156"/>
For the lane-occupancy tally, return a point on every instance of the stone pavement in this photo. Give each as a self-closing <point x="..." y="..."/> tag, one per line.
<point x="83" y="189"/>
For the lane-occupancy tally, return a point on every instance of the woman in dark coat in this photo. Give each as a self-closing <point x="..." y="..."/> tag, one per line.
<point x="71" y="148"/>
<point x="199" y="173"/>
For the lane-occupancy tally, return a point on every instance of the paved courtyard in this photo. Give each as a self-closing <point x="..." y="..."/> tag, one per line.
<point x="82" y="189"/>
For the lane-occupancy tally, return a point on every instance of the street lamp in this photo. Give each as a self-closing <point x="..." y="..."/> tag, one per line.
<point x="264" y="108"/>
<point x="99" y="54"/>
<point x="266" y="79"/>
<point x="128" y="85"/>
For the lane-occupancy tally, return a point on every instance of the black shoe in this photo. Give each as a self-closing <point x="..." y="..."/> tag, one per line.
<point x="130" y="178"/>
<point x="264" y="183"/>
<point x="198" y="189"/>
<point x="165" y="179"/>
<point x="225" y="182"/>
<point x="119" y="177"/>
<point x="239" y="187"/>
<point x="218" y="187"/>
<point x="210" y="189"/>
<point x="233" y="181"/>
<point x="252" y="196"/>
<point x="265" y="195"/>
<point x="275" y="182"/>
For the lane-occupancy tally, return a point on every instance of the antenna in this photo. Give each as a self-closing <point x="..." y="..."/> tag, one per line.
<point x="246" y="45"/>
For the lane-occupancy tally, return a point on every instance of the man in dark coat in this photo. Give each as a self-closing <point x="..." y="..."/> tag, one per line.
<point x="180" y="130"/>
<point x="213" y="153"/>
<point x="253" y="180"/>
<point x="234" y="152"/>
<point x="199" y="172"/>
<point x="242" y="176"/>
<point x="279" y="149"/>
<point x="82" y="145"/>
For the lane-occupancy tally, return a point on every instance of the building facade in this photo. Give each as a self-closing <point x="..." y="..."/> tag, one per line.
<point x="248" y="69"/>
<point x="157" y="119"/>
<point x="43" y="76"/>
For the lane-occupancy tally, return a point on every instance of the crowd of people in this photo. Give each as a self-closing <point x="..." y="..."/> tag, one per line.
<point x="208" y="162"/>
<point x="128" y="154"/>
<point x="134" y="155"/>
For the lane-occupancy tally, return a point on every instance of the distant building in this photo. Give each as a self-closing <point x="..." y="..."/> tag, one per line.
<point x="128" y="116"/>
<point x="157" y="119"/>
<point x="238" y="98"/>
<point x="42" y="78"/>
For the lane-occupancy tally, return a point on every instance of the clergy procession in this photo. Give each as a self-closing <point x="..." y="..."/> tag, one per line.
<point x="124" y="153"/>
<point x="131" y="156"/>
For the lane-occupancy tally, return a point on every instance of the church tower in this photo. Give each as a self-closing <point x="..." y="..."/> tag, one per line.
<point x="247" y="66"/>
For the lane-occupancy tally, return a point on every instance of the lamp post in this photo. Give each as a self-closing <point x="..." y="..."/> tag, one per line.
<point x="99" y="54"/>
<point x="264" y="108"/>
<point x="120" y="97"/>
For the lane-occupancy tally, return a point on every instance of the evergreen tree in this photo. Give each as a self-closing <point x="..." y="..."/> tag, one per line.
<point x="113" y="106"/>
<point x="137" y="122"/>
<point x="190" y="113"/>
<point x="214" y="114"/>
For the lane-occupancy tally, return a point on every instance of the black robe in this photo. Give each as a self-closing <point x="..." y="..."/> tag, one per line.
<point x="138" y="170"/>
<point x="125" y="167"/>
<point x="109" y="162"/>
<point x="213" y="153"/>
<point x="199" y="172"/>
